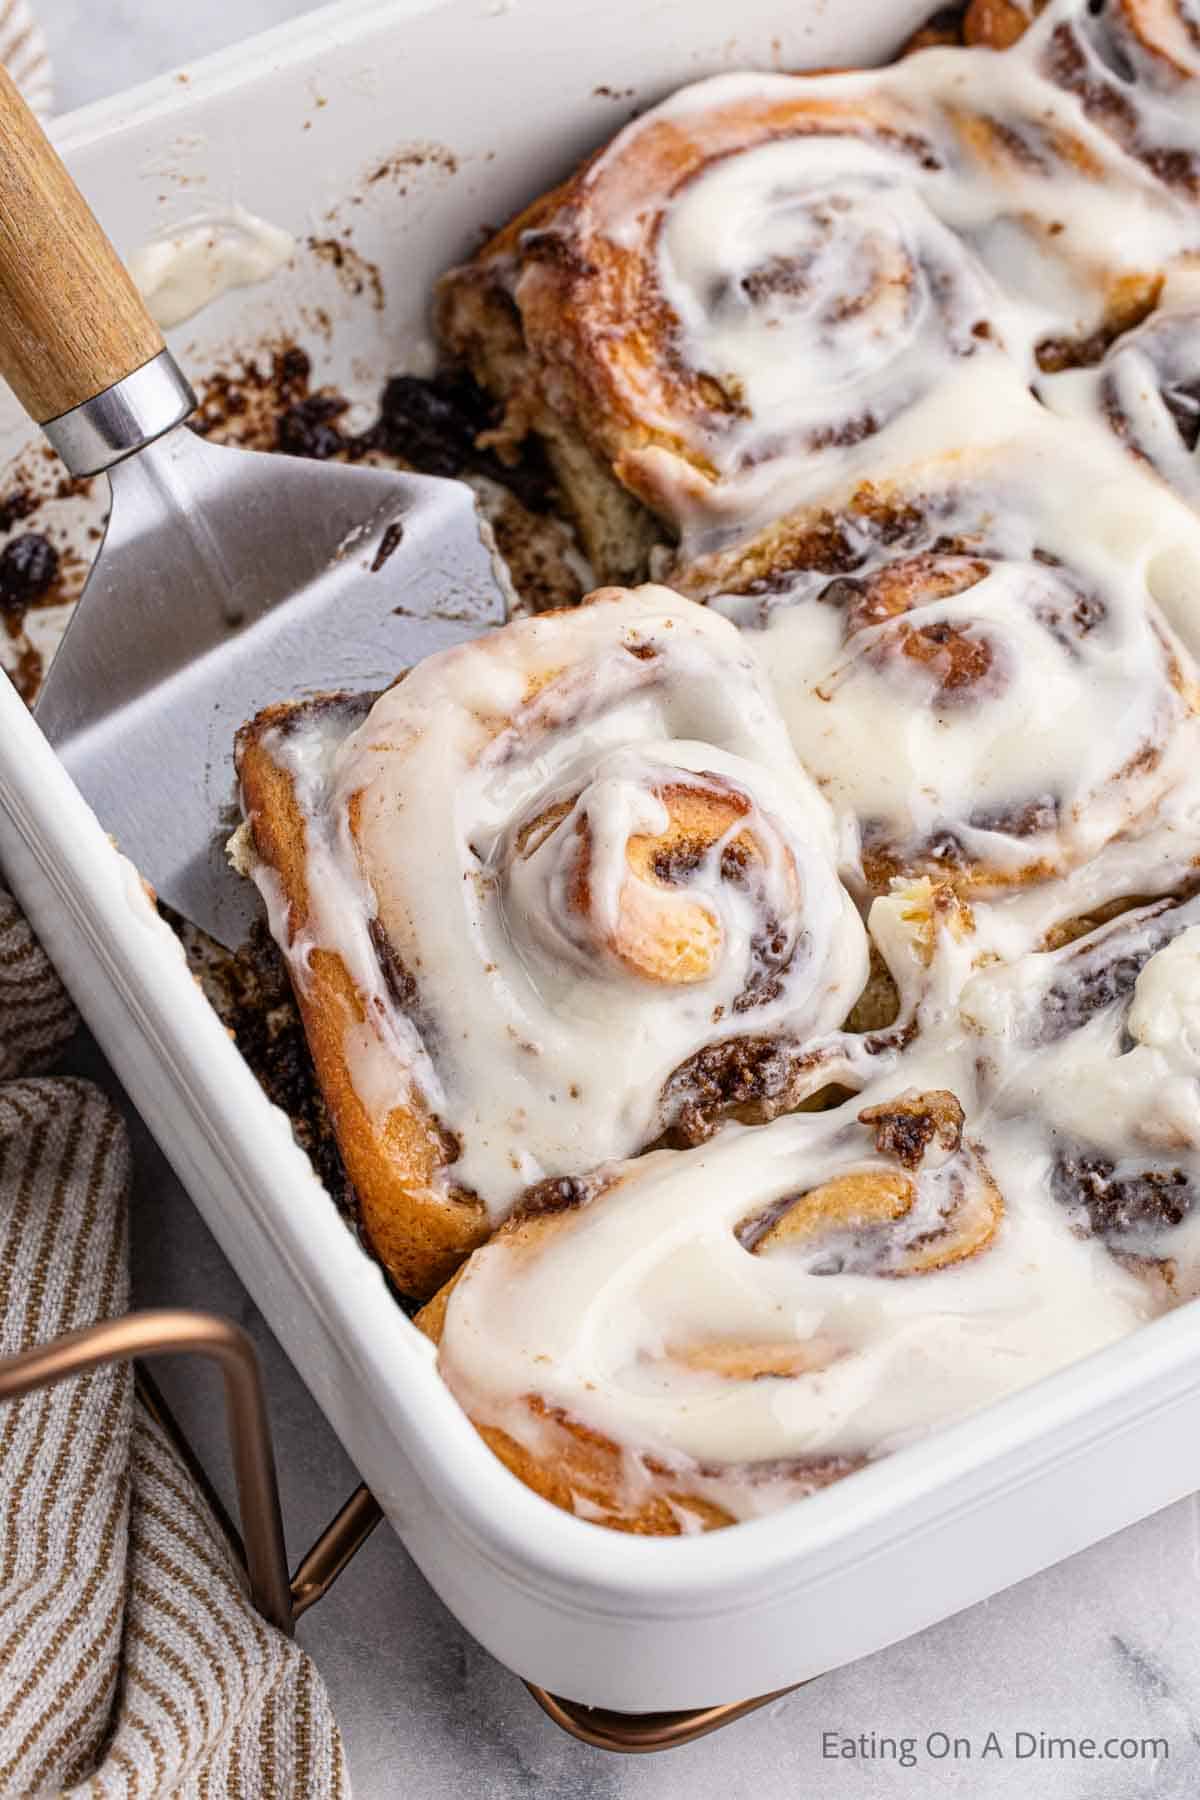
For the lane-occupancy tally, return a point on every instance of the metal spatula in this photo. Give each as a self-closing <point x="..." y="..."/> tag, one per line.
<point x="227" y="579"/>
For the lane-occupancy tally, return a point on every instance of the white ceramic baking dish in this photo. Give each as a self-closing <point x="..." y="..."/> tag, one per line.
<point x="468" y="108"/>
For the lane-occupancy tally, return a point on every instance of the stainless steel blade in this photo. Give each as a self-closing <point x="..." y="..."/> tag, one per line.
<point x="228" y="580"/>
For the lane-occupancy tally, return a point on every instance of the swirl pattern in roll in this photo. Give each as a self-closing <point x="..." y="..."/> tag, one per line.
<point x="749" y="282"/>
<point x="556" y="865"/>
<point x="990" y="689"/>
<point x="986" y="24"/>
<point x="1131" y="65"/>
<point x="693" y="1338"/>
<point x="804" y="1297"/>
<point x="770" y="286"/>
<point x="890" y="371"/>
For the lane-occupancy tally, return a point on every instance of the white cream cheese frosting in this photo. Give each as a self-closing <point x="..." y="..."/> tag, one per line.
<point x="823" y="257"/>
<point x="183" y="269"/>
<point x="992" y="681"/>
<point x="1022" y="699"/>
<point x="618" y="1318"/>
<point x="1165" y="1014"/>
<point x="567" y="863"/>
<point x="500" y="820"/>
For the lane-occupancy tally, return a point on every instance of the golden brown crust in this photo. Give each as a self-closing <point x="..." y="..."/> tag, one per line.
<point x="998" y="24"/>
<point x="583" y="1471"/>
<point x="978" y="24"/>
<point x="569" y="328"/>
<point x="565" y="321"/>
<point x="593" y="328"/>
<point x="481" y="327"/>
<point x="580" y="1470"/>
<point x="576" y="1464"/>
<point x="416" y="1222"/>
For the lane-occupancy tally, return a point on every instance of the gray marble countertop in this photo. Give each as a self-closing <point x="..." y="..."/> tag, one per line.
<point x="1104" y="1646"/>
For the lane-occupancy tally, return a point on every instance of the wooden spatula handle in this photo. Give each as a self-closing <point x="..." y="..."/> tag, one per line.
<point x="71" y="321"/>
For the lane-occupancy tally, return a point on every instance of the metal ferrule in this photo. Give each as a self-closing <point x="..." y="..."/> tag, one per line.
<point x="124" y="418"/>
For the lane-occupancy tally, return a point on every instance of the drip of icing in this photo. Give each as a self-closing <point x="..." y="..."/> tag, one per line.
<point x="194" y="263"/>
<point x="1098" y="1040"/>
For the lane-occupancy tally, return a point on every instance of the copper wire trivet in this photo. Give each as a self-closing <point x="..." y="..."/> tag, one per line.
<point x="259" y="1546"/>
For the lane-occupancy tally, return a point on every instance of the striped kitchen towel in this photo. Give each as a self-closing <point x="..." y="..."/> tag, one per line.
<point x="131" y="1660"/>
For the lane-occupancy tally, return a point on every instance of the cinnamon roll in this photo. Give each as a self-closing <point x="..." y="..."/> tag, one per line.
<point x="986" y="685"/>
<point x="772" y="286"/>
<point x="748" y="278"/>
<point x="724" y="1194"/>
<point x="692" y="1338"/>
<point x="696" y="1337"/>
<point x="1093" y="117"/>
<point x="558" y="892"/>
